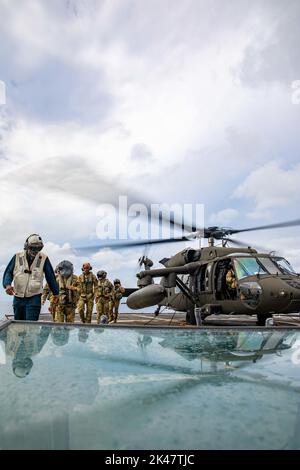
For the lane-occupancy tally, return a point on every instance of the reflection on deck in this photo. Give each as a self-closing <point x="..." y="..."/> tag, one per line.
<point x="127" y="388"/>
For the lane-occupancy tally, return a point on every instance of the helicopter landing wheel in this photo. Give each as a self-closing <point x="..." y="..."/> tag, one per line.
<point x="261" y="319"/>
<point x="190" y="317"/>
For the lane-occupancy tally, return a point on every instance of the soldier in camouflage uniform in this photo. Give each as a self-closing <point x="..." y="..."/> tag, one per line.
<point x="118" y="292"/>
<point x="88" y="285"/>
<point x="231" y="283"/>
<point x="68" y="292"/>
<point x="104" y="296"/>
<point x="48" y="295"/>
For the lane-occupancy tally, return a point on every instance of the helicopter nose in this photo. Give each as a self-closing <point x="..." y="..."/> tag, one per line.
<point x="291" y="291"/>
<point x="282" y="296"/>
<point x="277" y="295"/>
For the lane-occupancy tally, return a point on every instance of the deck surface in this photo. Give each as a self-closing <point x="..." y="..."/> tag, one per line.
<point x="178" y="320"/>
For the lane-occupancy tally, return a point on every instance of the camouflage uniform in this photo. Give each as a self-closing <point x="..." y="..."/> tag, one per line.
<point x="68" y="296"/>
<point x="117" y="295"/>
<point x="48" y="295"/>
<point x="104" y="299"/>
<point x="231" y="279"/>
<point x="87" y="285"/>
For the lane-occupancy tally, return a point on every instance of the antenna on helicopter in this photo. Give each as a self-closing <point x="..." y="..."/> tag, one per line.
<point x="147" y="262"/>
<point x="211" y="241"/>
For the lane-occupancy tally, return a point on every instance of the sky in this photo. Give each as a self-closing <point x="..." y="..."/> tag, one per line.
<point x="162" y="100"/>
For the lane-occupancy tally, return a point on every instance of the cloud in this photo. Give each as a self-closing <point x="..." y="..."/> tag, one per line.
<point x="105" y="87"/>
<point x="112" y="260"/>
<point x="141" y="153"/>
<point x="224" y="217"/>
<point x="272" y="56"/>
<point x="117" y="264"/>
<point x="271" y="187"/>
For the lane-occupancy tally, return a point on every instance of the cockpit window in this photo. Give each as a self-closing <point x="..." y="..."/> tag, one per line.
<point x="270" y="266"/>
<point x="247" y="267"/>
<point x="284" y="265"/>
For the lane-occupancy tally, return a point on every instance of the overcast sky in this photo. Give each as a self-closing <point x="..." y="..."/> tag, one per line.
<point x="185" y="101"/>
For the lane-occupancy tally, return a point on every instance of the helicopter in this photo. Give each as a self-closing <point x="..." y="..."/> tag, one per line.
<point x="238" y="346"/>
<point x="193" y="278"/>
<point x="264" y="283"/>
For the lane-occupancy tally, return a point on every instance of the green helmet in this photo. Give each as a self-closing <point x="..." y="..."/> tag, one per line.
<point x="65" y="268"/>
<point x="101" y="274"/>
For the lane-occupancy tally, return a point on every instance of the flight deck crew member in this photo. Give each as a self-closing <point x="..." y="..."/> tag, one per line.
<point x="87" y="288"/>
<point x="23" y="278"/>
<point x="22" y="343"/>
<point x="68" y="292"/>
<point x="118" y="292"/>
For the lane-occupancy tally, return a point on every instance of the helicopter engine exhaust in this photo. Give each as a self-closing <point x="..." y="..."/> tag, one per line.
<point x="185" y="256"/>
<point x="146" y="297"/>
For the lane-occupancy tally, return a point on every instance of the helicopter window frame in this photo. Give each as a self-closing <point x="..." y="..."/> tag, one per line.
<point x="237" y="260"/>
<point x="271" y="267"/>
<point x="287" y="269"/>
<point x="220" y="284"/>
<point x="185" y="279"/>
<point x="200" y="279"/>
<point x="208" y="277"/>
<point x="204" y="282"/>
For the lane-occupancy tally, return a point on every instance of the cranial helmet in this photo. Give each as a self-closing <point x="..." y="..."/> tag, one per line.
<point x="33" y="244"/>
<point x="65" y="268"/>
<point x="101" y="274"/>
<point x="86" y="266"/>
<point x="83" y="335"/>
<point x="117" y="281"/>
<point x="22" y="367"/>
<point x="60" y="335"/>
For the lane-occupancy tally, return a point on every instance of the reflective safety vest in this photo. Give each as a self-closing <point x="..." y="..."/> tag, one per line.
<point x="22" y="335"/>
<point x="28" y="280"/>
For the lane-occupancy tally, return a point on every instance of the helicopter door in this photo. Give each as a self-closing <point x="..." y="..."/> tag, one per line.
<point x="208" y="283"/>
<point x="203" y="283"/>
<point x="223" y="290"/>
<point x="200" y="283"/>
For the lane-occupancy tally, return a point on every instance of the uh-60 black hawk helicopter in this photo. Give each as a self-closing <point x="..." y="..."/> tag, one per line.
<point x="219" y="279"/>
<point x="263" y="284"/>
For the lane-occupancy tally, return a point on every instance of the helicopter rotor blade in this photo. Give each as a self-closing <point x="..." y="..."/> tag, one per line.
<point x="73" y="176"/>
<point x="129" y="244"/>
<point x="236" y="242"/>
<point x="240" y="243"/>
<point x="291" y="223"/>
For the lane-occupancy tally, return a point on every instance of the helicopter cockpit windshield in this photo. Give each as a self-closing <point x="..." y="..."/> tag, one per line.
<point x="248" y="266"/>
<point x="284" y="265"/>
<point x="251" y="266"/>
